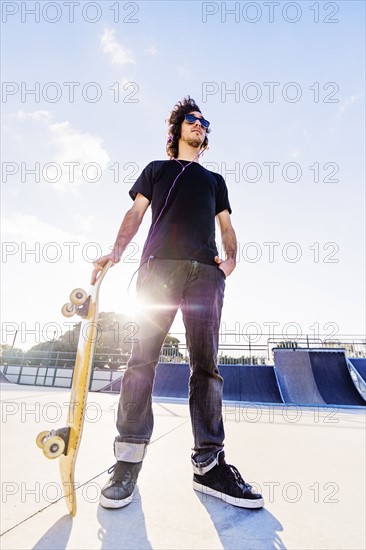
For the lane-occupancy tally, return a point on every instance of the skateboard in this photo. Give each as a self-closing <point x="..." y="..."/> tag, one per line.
<point x="63" y="443"/>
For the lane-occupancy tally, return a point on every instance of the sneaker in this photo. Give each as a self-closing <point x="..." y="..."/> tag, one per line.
<point x="119" y="490"/>
<point x="225" y="482"/>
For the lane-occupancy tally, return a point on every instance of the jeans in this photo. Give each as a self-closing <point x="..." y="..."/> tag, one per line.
<point x="164" y="286"/>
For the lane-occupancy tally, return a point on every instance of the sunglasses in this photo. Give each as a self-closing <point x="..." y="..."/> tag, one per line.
<point x="191" y="119"/>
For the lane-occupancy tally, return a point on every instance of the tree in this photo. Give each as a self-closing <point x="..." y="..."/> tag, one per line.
<point x="170" y="350"/>
<point x="115" y="336"/>
<point x="10" y="354"/>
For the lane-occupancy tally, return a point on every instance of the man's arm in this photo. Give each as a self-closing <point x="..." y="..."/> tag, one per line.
<point x="129" y="227"/>
<point x="229" y="243"/>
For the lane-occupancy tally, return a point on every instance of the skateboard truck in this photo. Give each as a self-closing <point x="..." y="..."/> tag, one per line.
<point x="78" y="305"/>
<point x="54" y="443"/>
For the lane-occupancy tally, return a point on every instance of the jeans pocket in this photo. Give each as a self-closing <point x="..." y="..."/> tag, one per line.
<point x="222" y="272"/>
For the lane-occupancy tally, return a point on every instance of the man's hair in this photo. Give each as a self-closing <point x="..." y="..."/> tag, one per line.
<point x="176" y="117"/>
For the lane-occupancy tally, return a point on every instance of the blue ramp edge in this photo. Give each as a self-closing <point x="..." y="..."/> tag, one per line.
<point x="333" y="379"/>
<point x="241" y="382"/>
<point x="253" y="383"/>
<point x="258" y="383"/>
<point x="359" y="364"/>
<point x="3" y="379"/>
<point x="295" y="377"/>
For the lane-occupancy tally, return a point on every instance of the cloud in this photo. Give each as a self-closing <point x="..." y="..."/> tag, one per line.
<point x="295" y="153"/>
<point x="117" y="53"/>
<point x="30" y="229"/>
<point x="152" y="50"/>
<point x="184" y="72"/>
<point x="85" y="222"/>
<point x="347" y="103"/>
<point x="38" y="116"/>
<point x="79" y="157"/>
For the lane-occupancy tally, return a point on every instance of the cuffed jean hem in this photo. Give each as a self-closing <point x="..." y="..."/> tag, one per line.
<point x="126" y="451"/>
<point x="201" y="468"/>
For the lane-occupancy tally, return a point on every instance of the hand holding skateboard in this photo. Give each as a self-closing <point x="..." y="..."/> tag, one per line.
<point x="99" y="264"/>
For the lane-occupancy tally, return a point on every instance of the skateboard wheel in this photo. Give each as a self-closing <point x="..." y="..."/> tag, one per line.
<point x="41" y="439"/>
<point x="68" y="310"/>
<point x="78" y="297"/>
<point x="53" y="447"/>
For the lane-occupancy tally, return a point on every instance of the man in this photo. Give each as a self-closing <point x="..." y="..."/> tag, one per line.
<point x="180" y="268"/>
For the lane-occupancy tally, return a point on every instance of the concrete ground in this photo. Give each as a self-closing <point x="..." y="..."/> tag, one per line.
<point x="309" y="464"/>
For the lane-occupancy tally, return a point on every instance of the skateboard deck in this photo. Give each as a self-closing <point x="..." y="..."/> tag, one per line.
<point x="64" y="443"/>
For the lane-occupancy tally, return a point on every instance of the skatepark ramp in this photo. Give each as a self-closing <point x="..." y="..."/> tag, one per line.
<point x="308" y="376"/>
<point x="3" y="379"/>
<point x="252" y="383"/>
<point x="357" y="369"/>
<point x="359" y="364"/>
<point x="171" y="380"/>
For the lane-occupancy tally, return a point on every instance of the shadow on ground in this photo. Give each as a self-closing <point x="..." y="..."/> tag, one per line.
<point x="242" y="528"/>
<point x="60" y="532"/>
<point x="123" y="527"/>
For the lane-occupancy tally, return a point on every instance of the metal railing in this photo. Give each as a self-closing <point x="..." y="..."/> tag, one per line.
<point x="55" y="368"/>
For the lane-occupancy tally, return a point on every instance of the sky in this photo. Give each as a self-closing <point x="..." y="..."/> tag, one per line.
<point x="86" y="90"/>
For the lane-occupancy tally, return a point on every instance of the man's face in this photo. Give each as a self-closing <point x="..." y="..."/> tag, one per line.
<point x="193" y="134"/>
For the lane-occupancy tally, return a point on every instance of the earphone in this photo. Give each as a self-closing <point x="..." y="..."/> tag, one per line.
<point x="162" y="210"/>
<point x="169" y="192"/>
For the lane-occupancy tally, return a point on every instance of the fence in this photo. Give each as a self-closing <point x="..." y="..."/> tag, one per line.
<point x="55" y="368"/>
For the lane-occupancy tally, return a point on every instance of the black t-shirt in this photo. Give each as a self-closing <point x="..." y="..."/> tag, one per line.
<point x="183" y="216"/>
